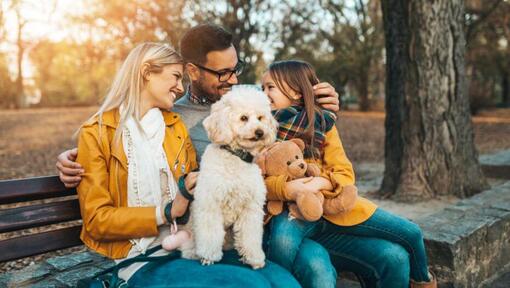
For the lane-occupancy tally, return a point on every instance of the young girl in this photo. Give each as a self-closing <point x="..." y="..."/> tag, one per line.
<point x="384" y="250"/>
<point x="132" y="150"/>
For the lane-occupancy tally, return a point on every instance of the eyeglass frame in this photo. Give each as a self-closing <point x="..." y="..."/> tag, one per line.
<point x="238" y="70"/>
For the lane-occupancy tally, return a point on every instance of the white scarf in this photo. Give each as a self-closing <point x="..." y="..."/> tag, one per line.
<point x="148" y="168"/>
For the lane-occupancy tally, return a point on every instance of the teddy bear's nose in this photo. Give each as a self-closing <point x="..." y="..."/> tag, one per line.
<point x="259" y="133"/>
<point x="302" y="166"/>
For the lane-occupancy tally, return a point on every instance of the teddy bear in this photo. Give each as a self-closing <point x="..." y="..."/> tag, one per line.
<point x="286" y="158"/>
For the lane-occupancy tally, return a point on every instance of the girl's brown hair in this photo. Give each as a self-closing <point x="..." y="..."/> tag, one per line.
<point x="300" y="77"/>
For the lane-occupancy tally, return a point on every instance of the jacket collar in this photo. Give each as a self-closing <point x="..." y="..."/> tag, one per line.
<point x="112" y="118"/>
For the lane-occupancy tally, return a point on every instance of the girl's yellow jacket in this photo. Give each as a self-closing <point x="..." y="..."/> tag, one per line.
<point x="108" y="223"/>
<point x="338" y="169"/>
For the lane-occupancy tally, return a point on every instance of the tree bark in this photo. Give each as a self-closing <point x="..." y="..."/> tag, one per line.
<point x="429" y="148"/>
<point x="505" y="91"/>
<point x="20" y="90"/>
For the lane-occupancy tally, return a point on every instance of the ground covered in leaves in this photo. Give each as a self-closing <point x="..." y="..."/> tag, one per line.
<point x="31" y="139"/>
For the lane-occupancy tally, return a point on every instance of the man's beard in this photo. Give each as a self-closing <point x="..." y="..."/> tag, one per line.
<point x="199" y="90"/>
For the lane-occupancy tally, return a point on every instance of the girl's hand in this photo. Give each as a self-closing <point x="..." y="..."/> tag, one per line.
<point x="321" y="183"/>
<point x="293" y="187"/>
<point x="326" y="96"/>
<point x="308" y="185"/>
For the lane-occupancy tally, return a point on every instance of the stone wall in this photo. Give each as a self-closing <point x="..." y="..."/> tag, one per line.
<point x="469" y="242"/>
<point x="61" y="271"/>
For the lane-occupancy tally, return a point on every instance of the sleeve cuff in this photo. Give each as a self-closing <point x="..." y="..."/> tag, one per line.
<point x="159" y="216"/>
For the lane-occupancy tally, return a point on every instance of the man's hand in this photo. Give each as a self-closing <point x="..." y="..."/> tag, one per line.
<point x="69" y="171"/>
<point x="326" y="96"/>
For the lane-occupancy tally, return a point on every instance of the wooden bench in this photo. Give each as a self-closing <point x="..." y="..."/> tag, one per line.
<point x="37" y="215"/>
<point x="37" y="204"/>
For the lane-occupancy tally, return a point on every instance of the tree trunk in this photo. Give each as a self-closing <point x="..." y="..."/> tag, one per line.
<point x="20" y="90"/>
<point x="429" y="148"/>
<point x="362" y="89"/>
<point x="505" y="93"/>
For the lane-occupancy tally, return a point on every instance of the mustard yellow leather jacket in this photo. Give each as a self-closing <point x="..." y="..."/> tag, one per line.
<point x="108" y="223"/>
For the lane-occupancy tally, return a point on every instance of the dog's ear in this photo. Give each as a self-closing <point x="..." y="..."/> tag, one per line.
<point x="217" y="124"/>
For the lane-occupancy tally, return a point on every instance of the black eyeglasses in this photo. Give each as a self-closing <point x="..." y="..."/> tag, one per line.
<point x="224" y="75"/>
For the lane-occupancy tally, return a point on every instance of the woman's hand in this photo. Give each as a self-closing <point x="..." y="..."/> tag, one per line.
<point x="326" y="96"/>
<point x="180" y="203"/>
<point x="191" y="181"/>
<point x="69" y="170"/>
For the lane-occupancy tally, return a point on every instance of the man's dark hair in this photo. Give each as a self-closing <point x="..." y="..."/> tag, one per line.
<point x="202" y="39"/>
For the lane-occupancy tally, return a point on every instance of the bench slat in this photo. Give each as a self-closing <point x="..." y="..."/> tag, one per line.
<point x="34" y="244"/>
<point x="14" y="191"/>
<point x="497" y="171"/>
<point x="39" y="215"/>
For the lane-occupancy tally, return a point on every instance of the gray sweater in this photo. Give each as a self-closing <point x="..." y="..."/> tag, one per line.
<point x="193" y="114"/>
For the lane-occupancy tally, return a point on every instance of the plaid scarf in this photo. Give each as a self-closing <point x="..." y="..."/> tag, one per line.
<point x="293" y="122"/>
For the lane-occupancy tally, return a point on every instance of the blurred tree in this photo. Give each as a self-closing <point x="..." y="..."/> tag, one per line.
<point x="488" y="52"/>
<point x="68" y="73"/>
<point x="7" y="93"/>
<point x="7" y="86"/>
<point x="429" y="148"/>
<point x="247" y="20"/>
<point x="343" y="39"/>
<point x="127" y="23"/>
<point x="21" y="45"/>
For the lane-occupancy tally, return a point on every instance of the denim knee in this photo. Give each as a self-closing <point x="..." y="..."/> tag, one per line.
<point x="313" y="267"/>
<point x="283" y="249"/>
<point x="395" y="266"/>
<point x="414" y="234"/>
<point x="284" y="240"/>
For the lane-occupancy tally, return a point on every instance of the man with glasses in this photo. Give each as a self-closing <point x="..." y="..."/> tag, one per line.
<point x="212" y="65"/>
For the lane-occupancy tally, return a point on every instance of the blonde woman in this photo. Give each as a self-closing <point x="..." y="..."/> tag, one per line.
<point x="132" y="151"/>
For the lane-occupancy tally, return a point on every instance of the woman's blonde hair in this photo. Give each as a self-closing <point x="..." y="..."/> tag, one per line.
<point x="125" y="92"/>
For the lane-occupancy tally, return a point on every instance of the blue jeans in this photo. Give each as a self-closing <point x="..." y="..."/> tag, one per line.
<point x="230" y="272"/>
<point x="384" y="251"/>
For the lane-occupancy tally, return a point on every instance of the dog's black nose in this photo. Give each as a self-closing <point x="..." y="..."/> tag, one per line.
<point x="302" y="166"/>
<point x="259" y="133"/>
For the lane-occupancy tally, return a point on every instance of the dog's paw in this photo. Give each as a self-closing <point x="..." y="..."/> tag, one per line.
<point x="206" y="262"/>
<point x="256" y="260"/>
<point x="209" y="257"/>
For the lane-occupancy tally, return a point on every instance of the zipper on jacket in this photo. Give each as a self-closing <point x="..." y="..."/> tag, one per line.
<point x="176" y="161"/>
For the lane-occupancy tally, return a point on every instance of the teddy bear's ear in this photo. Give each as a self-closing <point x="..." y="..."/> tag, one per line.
<point x="261" y="159"/>
<point x="300" y="143"/>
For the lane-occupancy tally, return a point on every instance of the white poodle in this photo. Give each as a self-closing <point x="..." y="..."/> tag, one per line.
<point x="230" y="190"/>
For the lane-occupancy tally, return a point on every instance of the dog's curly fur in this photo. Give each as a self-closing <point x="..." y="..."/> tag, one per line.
<point x="230" y="193"/>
